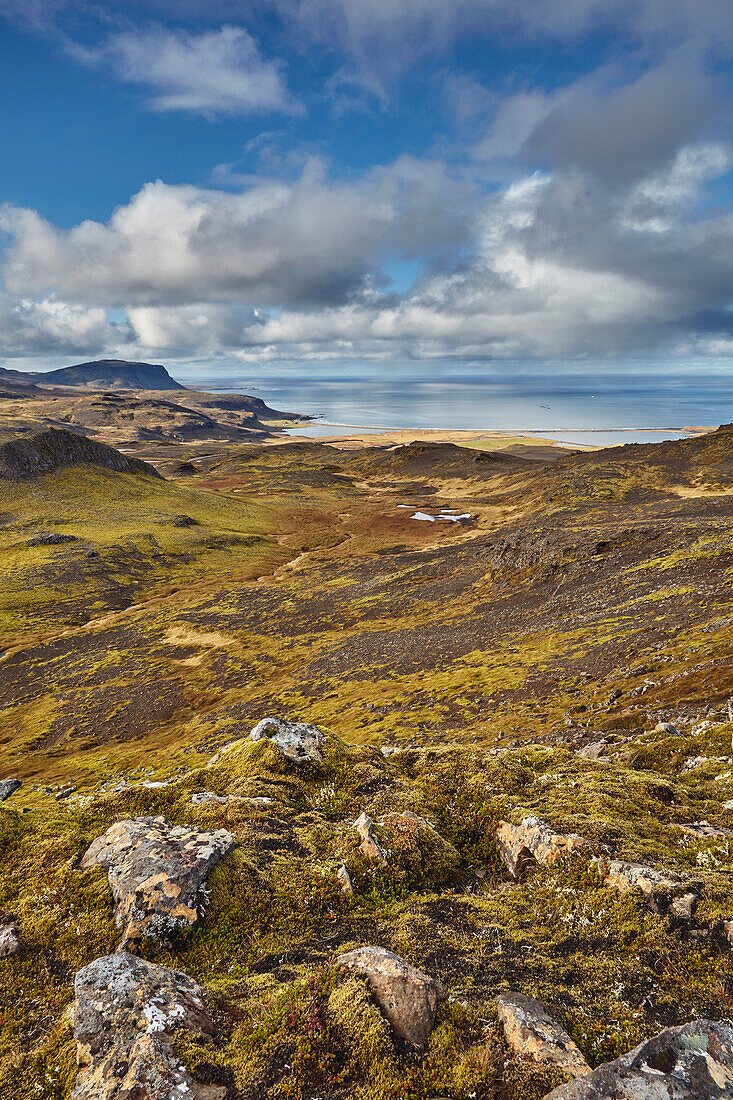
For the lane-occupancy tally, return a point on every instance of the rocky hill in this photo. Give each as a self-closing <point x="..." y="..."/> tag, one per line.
<point x="55" y="449"/>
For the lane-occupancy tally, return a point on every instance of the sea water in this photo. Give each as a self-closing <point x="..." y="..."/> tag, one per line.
<point x="588" y="404"/>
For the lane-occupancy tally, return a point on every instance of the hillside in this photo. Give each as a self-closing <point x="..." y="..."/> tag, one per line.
<point x="46" y="452"/>
<point x="503" y="754"/>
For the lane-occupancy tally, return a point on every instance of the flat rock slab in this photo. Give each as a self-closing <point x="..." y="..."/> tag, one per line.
<point x="532" y="1033"/>
<point x="406" y="996"/>
<point x="156" y="872"/>
<point x="298" y="742"/>
<point x="125" y="1014"/>
<point x="8" y="787"/>
<point x="666" y="894"/>
<point x="692" y="1062"/>
<point x="534" y="841"/>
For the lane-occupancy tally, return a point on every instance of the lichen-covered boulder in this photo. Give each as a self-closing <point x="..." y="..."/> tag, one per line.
<point x="125" y="1014"/>
<point x="9" y="938"/>
<point x="8" y="787"/>
<point x="532" y="1033"/>
<point x="692" y="1062"/>
<point x="665" y="893"/>
<point x="156" y="872"/>
<point x="534" y="841"/>
<point x="407" y="997"/>
<point x="297" y="741"/>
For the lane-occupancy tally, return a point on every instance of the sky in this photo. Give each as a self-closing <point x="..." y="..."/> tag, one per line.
<point x="255" y="182"/>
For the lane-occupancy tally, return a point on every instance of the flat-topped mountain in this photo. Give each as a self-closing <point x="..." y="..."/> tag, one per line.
<point x="116" y="374"/>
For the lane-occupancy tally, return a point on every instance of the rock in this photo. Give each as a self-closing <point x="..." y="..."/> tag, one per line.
<point x="702" y="727"/>
<point x="532" y="1033"/>
<point x="65" y="792"/>
<point x="676" y="897"/>
<point x="156" y="872"/>
<point x="369" y="846"/>
<point x="593" y="750"/>
<point x="50" y="538"/>
<point x="9" y="938"/>
<point x="668" y="728"/>
<point x="534" y="841"/>
<point x="406" y="996"/>
<point x="705" y="830"/>
<point x="126" y="1012"/>
<point x="200" y="798"/>
<point x="297" y="741"/>
<point x="692" y="1062"/>
<point x="344" y="880"/>
<point x="8" y="787"/>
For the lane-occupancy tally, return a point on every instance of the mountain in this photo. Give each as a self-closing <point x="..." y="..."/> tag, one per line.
<point x="102" y="374"/>
<point x="115" y="374"/>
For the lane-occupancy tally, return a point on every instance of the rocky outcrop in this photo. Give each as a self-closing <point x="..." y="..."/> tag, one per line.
<point x="9" y="938"/>
<point x="532" y="1033"/>
<point x="692" y="1062"/>
<point x="8" y="787"/>
<point x="666" y="894"/>
<point x="125" y="1014"/>
<point x="370" y="846"/>
<point x="406" y="996"/>
<point x="156" y="872"/>
<point x="22" y="459"/>
<point x="298" y="742"/>
<point x="534" y="841"/>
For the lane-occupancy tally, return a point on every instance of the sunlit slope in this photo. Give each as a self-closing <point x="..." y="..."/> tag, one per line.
<point x="82" y="540"/>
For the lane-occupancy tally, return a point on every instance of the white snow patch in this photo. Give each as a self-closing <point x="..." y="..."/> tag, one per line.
<point x="423" y="515"/>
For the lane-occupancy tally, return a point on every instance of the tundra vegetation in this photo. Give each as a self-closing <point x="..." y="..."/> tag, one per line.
<point x="565" y="654"/>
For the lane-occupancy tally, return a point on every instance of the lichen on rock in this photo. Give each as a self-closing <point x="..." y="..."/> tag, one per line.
<point x="408" y="997"/>
<point x="691" y="1062"/>
<point x="125" y="1014"/>
<point x="156" y="871"/>
<point x="532" y="1033"/>
<point x="534" y="841"/>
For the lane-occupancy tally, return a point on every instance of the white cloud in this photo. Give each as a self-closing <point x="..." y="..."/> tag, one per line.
<point x="216" y="72"/>
<point x="50" y="327"/>
<point x="273" y="244"/>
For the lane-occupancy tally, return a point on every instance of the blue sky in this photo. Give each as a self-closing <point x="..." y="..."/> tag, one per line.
<point x="261" y="181"/>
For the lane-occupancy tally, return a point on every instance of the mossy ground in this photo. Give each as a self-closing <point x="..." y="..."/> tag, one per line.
<point x="489" y="656"/>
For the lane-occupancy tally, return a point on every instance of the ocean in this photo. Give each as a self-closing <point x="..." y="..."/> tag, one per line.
<point x="594" y="405"/>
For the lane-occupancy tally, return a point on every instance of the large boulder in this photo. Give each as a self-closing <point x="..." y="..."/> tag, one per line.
<point x="156" y="872"/>
<point x="692" y="1062"/>
<point x="406" y="996"/>
<point x="532" y="1033"/>
<point x="534" y="841"/>
<point x="125" y="1014"/>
